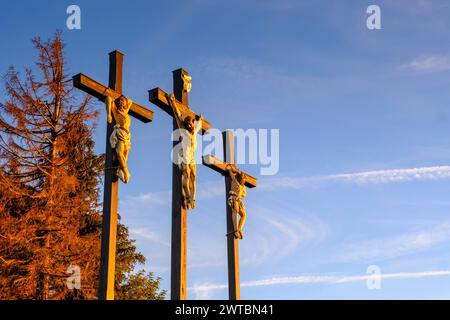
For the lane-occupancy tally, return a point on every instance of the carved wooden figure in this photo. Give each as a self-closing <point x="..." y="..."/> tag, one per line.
<point x="120" y="138"/>
<point x="188" y="129"/>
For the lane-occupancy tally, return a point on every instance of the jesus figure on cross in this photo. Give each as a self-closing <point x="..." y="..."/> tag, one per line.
<point x="235" y="196"/>
<point x="120" y="138"/>
<point x="189" y="128"/>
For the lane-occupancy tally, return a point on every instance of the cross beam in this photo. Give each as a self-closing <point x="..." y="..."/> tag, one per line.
<point x="96" y="89"/>
<point x="234" y="291"/>
<point x="111" y="186"/>
<point x="158" y="97"/>
<point x="221" y="167"/>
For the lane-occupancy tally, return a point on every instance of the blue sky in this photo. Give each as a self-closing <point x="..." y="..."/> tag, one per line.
<point x="364" y="135"/>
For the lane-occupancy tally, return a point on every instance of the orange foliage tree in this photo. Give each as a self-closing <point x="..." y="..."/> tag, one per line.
<point x="49" y="186"/>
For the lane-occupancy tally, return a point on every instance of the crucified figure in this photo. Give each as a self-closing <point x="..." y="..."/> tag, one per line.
<point x="120" y="138"/>
<point x="189" y="128"/>
<point x="236" y="194"/>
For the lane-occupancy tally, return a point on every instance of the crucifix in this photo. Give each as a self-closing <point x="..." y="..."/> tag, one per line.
<point x="235" y="182"/>
<point x="183" y="171"/>
<point x="119" y="108"/>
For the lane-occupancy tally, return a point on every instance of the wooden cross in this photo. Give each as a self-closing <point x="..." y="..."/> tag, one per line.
<point x="179" y="217"/>
<point x="111" y="186"/>
<point x="232" y="242"/>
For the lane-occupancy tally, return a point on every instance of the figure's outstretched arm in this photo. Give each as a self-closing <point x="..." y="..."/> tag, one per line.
<point x="108" y="104"/>
<point x="231" y="173"/>
<point x="198" y="124"/>
<point x="176" y="111"/>
<point x="129" y="103"/>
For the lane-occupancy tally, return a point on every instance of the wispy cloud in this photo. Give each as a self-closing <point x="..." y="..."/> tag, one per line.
<point x="275" y="234"/>
<point x="149" y="235"/>
<point x="361" y="178"/>
<point x="428" y="64"/>
<point x="148" y="199"/>
<point x="395" y="175"/>
<point x="395" y="246"/>
<point x="203" y="291"/>
<point x="215" y="188"/>
<point x="270" y="235"/>
<point x="259" y="74"/>
<point x="204" y="191"/>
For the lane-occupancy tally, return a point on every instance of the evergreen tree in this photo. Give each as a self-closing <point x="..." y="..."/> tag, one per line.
<point x="49" y="197"/>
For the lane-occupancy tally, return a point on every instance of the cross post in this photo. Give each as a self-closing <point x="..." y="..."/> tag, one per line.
<point x="234" y="291"/>
<point x="179" y="215"/>
<point x="111" y="185"/>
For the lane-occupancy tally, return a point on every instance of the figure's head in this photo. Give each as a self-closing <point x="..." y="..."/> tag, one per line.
<point x="121" y="103"/>
<point x="187" y="85"/>
<point x="241" y="178"/>
<point x="189" y="124"/>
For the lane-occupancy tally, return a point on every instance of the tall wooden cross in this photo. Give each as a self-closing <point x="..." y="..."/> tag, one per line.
<point x="179" y="217"/>
<point x="111" y="187"/>
<point x="234" y="291"/>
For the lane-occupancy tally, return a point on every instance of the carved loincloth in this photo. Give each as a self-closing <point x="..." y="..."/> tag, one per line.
<point x="186" y="154"/>
<point x="234" y="199"/>
<point x="120" y="134"/>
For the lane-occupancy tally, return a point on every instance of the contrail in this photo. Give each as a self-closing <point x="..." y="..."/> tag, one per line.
<point x="361" y="178"/>
<point x="324" y="279"/>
